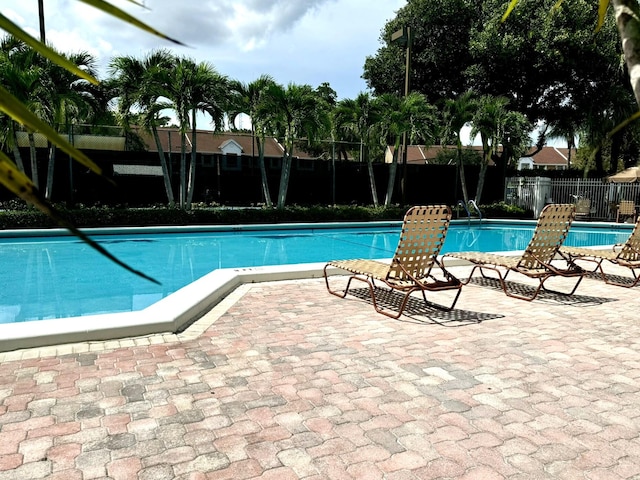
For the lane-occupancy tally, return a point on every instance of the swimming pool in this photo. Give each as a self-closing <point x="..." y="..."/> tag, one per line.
<point x="57" y="276"/>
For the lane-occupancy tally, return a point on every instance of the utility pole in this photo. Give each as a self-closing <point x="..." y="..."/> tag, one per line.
<point x="404" y="38"/>
<point x="43" y="38"/>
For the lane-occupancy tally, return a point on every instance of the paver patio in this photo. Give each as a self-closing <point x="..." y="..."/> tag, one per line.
<point x="284" y="381"/>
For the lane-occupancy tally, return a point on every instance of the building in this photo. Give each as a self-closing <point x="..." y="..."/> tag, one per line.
<point x="547" y="158"/>
<point x="423" y="155"/>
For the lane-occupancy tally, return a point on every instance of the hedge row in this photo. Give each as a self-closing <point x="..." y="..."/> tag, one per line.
<point x="16" y="217"/>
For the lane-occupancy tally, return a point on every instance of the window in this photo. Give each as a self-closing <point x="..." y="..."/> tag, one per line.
<point x="231" y="162"/>
<point x="305" y="165"/>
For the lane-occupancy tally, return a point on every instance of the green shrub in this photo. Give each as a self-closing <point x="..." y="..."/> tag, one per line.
<point x="17" y="216"/>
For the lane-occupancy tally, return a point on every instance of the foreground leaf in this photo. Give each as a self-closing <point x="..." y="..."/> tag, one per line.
<point x="11" y="28"/>
<point x="512" y="5"/>
<point x="603" y="5"/>
<point x="124" y="16"/>
<point x="21" y="185"/>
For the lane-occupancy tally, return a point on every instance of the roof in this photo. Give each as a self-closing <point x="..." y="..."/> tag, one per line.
<point x="547" y="156"/>
<point x="551" y="156"/>
<point x="421" y="154"/>
<point x="209" y="142"/>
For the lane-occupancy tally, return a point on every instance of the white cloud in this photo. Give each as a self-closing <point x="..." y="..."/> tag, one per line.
<point x="300" y="41"/>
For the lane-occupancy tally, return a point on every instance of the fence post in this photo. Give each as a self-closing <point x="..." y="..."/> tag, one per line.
<point x="541" y="194"/>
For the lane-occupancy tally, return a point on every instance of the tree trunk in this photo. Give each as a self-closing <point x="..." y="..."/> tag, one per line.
<point x="192" y="181"/>
<point x="183" y="169"/>
<point x="263" y="173"/>
<point x="616" y="145"/>
<point x="194" y="156"/>
<point x="17" y="156"/>
<point x="165" y="169"/>
<point x="372" y="183"/>
<point x="34" y="160"/>
<point x="481" y="176"/>
<point x="463" y="178"/>
<point x="486" y="155"/>
<point x="627" y="14"/>
<point x="599" y="165"/>
<point x="284" y="178"/>
<point x="48" y="192"/>
<point x="392" y="174"/>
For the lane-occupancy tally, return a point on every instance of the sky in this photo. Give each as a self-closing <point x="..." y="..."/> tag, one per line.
<point x="299" y="41"/>
<point x="294" y="41"/>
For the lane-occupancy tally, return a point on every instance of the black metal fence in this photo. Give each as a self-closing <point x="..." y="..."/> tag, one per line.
<point x="236" y="180"/>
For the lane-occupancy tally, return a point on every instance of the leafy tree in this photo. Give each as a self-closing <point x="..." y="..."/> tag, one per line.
<point x="440" y="51"/>
<point x="547" y="56"/>
<point x="566" y="127"/>
<point x="488" y="122"/>
<point x="449" y="156"/>
<point x="19" y="77"/>
<point x="327" y="93"/>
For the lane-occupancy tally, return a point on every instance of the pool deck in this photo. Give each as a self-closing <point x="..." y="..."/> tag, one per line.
<point x="281" y="380"/>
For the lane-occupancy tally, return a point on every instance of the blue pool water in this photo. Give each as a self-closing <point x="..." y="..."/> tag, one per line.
<point x="59" y="276"/>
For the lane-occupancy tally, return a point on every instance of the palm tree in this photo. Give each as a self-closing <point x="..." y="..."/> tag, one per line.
<point x="251" y="99"/>
<point x="194" y="88"/>
<point x="19" y="78"/>
<point x="411" y="115"/>
<point x="68" y="98"/>
<point x="566" y="127"/>
<point x="488" y="121"/>
<point x="24" y="77"/>
<point x="357" y="117"/>
<point x="298" y="112"/>
<point x="457" y="114"/>
<point x="138" y="85"/>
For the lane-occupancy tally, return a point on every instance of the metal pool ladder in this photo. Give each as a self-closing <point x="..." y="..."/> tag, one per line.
<point x="466" y="208"/>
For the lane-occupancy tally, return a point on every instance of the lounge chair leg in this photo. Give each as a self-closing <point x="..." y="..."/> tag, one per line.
<point x="335" y="292"/>
<point x="575" y="287"/>
<point x="442" y="307"/>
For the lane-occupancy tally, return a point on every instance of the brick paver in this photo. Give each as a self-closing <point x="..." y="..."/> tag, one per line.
<point x="287" y="382"/>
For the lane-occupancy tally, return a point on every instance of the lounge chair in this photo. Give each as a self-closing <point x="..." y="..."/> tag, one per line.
<point x="536" y="261"/>
<point x="412" y="267"/>
<point x="626" y="255"/>
<point x="626" y="209"/>
<point x="583" y="208"/>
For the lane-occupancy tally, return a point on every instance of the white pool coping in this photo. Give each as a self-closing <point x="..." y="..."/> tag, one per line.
<point x="172" y="314"/>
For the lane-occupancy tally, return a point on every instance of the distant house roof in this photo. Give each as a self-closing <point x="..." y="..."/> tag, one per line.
<point x="421" y="154"/>
<point x="210" y="142"/>
<point x="547" y="158"/>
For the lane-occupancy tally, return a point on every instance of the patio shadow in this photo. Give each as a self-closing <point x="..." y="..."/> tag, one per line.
<point x="417" y="311"/>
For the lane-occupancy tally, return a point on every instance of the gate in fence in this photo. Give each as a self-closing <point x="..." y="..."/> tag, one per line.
<point x="601" y="197"/>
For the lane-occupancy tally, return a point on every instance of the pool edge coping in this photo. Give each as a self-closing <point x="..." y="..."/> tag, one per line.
<point x="170" y="315"/>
